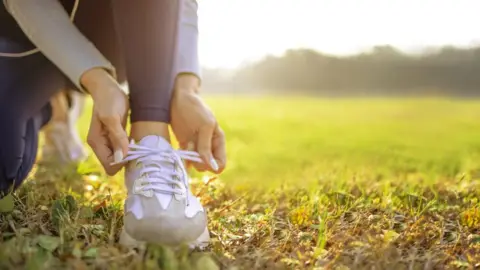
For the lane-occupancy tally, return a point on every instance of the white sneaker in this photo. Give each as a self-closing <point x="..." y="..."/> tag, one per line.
<point x="160" y="207"/>
<point x="63" y="143"/>
<point x="78" y="105"/>
<point x="62" y="140"/>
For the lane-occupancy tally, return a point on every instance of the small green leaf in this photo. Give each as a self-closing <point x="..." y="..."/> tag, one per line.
<point x="207" y="263"/>
<point x="58" y="212"/>
<point x="91" y="253"/>
<point x="49" y="243"/>
<point x="167" y="259"/>
<point x="86" y="212"/>
<point x="77" y="251"/>
<point x="390" y="236"/>
<point x="475" y="239"/>
<point x="6" y="204"/>
<point x="39" y="260"/>
<point x="459" y="263"/>
<point x="71" y="203"/>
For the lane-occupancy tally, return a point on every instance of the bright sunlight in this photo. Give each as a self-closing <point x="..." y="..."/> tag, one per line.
<point x="235" y="31"/>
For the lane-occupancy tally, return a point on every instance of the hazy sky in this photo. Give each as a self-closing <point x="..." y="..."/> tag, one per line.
<point x="234" y="31"/>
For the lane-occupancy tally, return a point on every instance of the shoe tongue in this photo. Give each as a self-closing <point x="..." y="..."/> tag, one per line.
<point x="157" y="142"/>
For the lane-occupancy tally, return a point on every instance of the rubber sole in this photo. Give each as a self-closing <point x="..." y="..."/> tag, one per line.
<point x="129" y="242"/>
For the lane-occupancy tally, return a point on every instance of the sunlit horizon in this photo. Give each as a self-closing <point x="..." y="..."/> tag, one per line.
<point x="234" y="32"/>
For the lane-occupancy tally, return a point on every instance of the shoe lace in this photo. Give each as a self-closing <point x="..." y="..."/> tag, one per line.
<point x="153" y="176"/>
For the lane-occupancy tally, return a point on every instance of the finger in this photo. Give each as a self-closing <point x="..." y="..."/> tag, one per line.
<point x="219" y="149"/>
<point x="204" y="146"/>
<point x="111" y="166"/>
<point x="199" y="166"/>
<point x="98" y="141"/>
<point x="117" y="136"/>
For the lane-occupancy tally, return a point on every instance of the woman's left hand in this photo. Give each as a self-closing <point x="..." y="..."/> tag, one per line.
<point x="107" y="135"/>
<point x="195" y="125"/>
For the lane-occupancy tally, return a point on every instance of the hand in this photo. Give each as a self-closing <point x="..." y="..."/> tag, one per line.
<point x="192" y="121"/>
<point x="107" y="135"/>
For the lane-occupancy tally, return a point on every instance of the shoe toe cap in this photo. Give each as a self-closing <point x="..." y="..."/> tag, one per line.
<point x="169" y="226"/>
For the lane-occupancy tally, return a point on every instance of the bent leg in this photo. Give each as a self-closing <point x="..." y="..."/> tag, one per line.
<point x="26" y="85"/>
<point x="139" y="39"/>
<point x="148" y="35"/>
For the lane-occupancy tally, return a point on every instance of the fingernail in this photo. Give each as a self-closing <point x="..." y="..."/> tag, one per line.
<point x="118" y="155"/>
<point x="214" y="164"/>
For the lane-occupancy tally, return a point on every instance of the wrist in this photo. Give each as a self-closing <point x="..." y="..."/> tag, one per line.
<point x="97" y="81"/>
<point x="187" y="83"/>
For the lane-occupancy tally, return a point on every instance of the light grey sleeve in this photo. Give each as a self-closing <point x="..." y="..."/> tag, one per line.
<point x="187" y="60"/>
<point x="47" y="24"/>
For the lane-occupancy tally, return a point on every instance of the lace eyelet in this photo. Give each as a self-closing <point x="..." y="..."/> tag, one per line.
<point x="179" y="175"/>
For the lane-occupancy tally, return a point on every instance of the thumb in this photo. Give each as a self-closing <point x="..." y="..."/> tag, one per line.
<point x="118" y="138"/>
<point x="204" y="147"/>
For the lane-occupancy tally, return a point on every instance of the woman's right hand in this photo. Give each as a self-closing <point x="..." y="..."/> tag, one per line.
<point x="107" y="136"/>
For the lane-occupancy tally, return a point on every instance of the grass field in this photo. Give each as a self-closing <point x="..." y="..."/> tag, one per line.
<point x="311" y="183"/>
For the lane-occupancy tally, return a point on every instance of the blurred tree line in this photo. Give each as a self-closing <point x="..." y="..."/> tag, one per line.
<point x="384" y="70"/>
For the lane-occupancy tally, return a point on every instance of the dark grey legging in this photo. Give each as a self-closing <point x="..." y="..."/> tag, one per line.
<point x="139" y="39"/>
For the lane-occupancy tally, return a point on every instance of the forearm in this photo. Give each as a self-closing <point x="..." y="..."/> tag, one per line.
<point x="48" y="26"/>
<point x="187" y="60"/>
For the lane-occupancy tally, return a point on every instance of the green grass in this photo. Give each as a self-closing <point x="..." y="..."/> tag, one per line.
<point x="311" y="183"/>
